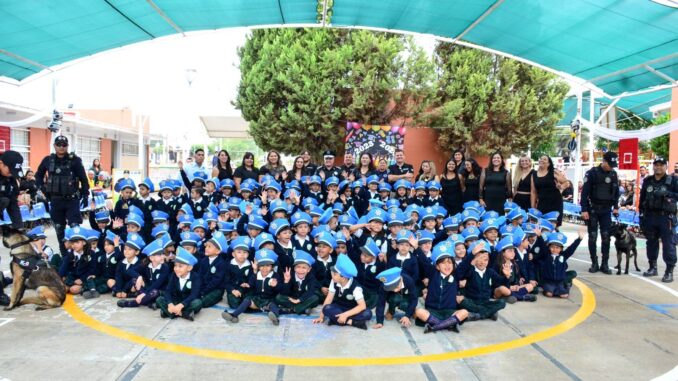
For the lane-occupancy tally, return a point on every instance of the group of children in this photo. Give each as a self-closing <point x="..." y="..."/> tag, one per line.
<point x="348" y="247"/>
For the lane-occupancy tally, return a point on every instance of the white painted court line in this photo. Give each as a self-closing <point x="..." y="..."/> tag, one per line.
<point x="4" y="321"/>
<point x="650" y="281"/>
<point x="671" y="375"/>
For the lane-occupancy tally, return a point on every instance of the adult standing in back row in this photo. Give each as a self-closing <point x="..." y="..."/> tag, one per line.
<point x="495" y="184"/>
<point x="400" y="170"/>
<point x="545" y="194"/>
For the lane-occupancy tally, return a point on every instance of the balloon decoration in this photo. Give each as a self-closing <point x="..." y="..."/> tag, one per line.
<point x="380" y="141"/>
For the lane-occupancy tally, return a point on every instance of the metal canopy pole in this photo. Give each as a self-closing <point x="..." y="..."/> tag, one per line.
<point x="577" y="165"/>
<point x="592" y="117"/>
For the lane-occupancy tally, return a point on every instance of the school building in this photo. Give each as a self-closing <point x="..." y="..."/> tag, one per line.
<point x="109" y="135"/>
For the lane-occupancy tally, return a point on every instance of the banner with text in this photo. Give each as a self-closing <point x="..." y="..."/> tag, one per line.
<point x="378" y="141"/>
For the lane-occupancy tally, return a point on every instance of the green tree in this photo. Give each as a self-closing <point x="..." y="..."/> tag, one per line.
<point x="298" y="86"/>
<point x="660" y="145"/>
<point x="486" y="103"/>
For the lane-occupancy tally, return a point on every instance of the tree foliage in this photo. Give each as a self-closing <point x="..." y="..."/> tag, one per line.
<point x="485" y="103"/>
<point x="298" y="86"/>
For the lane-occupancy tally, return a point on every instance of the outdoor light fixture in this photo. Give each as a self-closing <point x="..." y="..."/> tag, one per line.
<point x="575" y="125"/>
<point x="55" y="124"/>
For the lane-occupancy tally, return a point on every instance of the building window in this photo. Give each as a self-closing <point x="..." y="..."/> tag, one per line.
<point x="88" y="149"/>
<point x="19" y="142"/>
<point x="130" y="149"/>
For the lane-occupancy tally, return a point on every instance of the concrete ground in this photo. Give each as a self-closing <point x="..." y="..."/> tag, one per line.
<point x="631" y="335"/>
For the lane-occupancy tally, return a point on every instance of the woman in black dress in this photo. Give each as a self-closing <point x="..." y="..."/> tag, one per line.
<point x="495" y="184"/>
<point x="298" y="170"/>
<point x="364" y="169"/>
<point x="470" y="178"/>
<point x="452" y="188"/>
<point x="522" y="182"/>
<point x="223" y="168"/>
<point x="246" y="170"/>
<point x="545" y="193"/>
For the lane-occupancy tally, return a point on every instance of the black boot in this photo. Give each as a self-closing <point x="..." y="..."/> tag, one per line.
<point x="668" y="275"/>
<point x="594" y="265"/>
<point x="652" y="271"/>
<point x="604" y="268"/>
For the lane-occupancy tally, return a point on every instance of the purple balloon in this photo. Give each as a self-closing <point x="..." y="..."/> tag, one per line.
<point x="395" y="129"/>
<point x="349" y="125"/>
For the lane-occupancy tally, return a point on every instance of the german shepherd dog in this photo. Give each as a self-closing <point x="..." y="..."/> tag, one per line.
<point x="625" y="243"/>
<point x="30" y="271"/>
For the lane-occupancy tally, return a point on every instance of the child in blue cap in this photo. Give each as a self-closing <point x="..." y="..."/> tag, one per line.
<point x="400" y="291"/>
<point x="440" y="304"/>
<point x="212" y="270"/>
<point x="39" y="242"/>
<point x="322" y="268"/>
<point x="182" y="295"/>
<point x="553" y="257"/>
<point x="265" y="285"/>
<point x="107" y="263"/>
<point x="516" y="289"/>
<point x="78" y="268"/>
<point x="481" y="281"/>
<point x="299" y="293"/>
<point x="238" y="271"/>
<point x="405" y="259"/>
<point x="345" y="303"/>
<point x="152" y="279"/>
<point x="127" y="271"/>
<point x="368" y="266"/>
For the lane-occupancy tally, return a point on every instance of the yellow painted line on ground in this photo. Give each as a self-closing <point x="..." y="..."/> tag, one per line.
<point x="586" y="309"/>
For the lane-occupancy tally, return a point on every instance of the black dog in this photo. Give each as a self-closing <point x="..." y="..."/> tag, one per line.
<point x="625" y="243"/>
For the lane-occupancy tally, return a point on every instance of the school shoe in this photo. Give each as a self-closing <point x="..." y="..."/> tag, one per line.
<point x="163" y="314"/>
<point x="153" y="306"/>
<point x="122" y="303"/>
<point x="473" y="316"/>
<point x="428" y="328"/>
<point x="228" y="317"/>
<point x="529" y="298"/>
<point x="359" y="324"/>
<point x="188" y="316"/>
<point x="454" y="328"/>
<point x="652" y="271"/>
<point x="668" y="275"/>
<point x="510" y="299"/>
<point x="308" y="311"/>
<point x="87" y="294"/>
<point x="494" y="316"/>
<point x="274" y="318"/>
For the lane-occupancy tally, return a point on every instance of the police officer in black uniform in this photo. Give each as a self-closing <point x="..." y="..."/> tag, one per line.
<point x="599" y="195"/>
<point x="658" y="198"/>
<point x="10" y="173"/>
<point x="328" y="169"/>
<point x="62" y="178"/>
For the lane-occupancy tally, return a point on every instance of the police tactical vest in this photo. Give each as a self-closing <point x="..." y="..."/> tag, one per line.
<point x="61" y="179"/>
<point x="604" y="185"/>
<point x="656" y="203"/>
